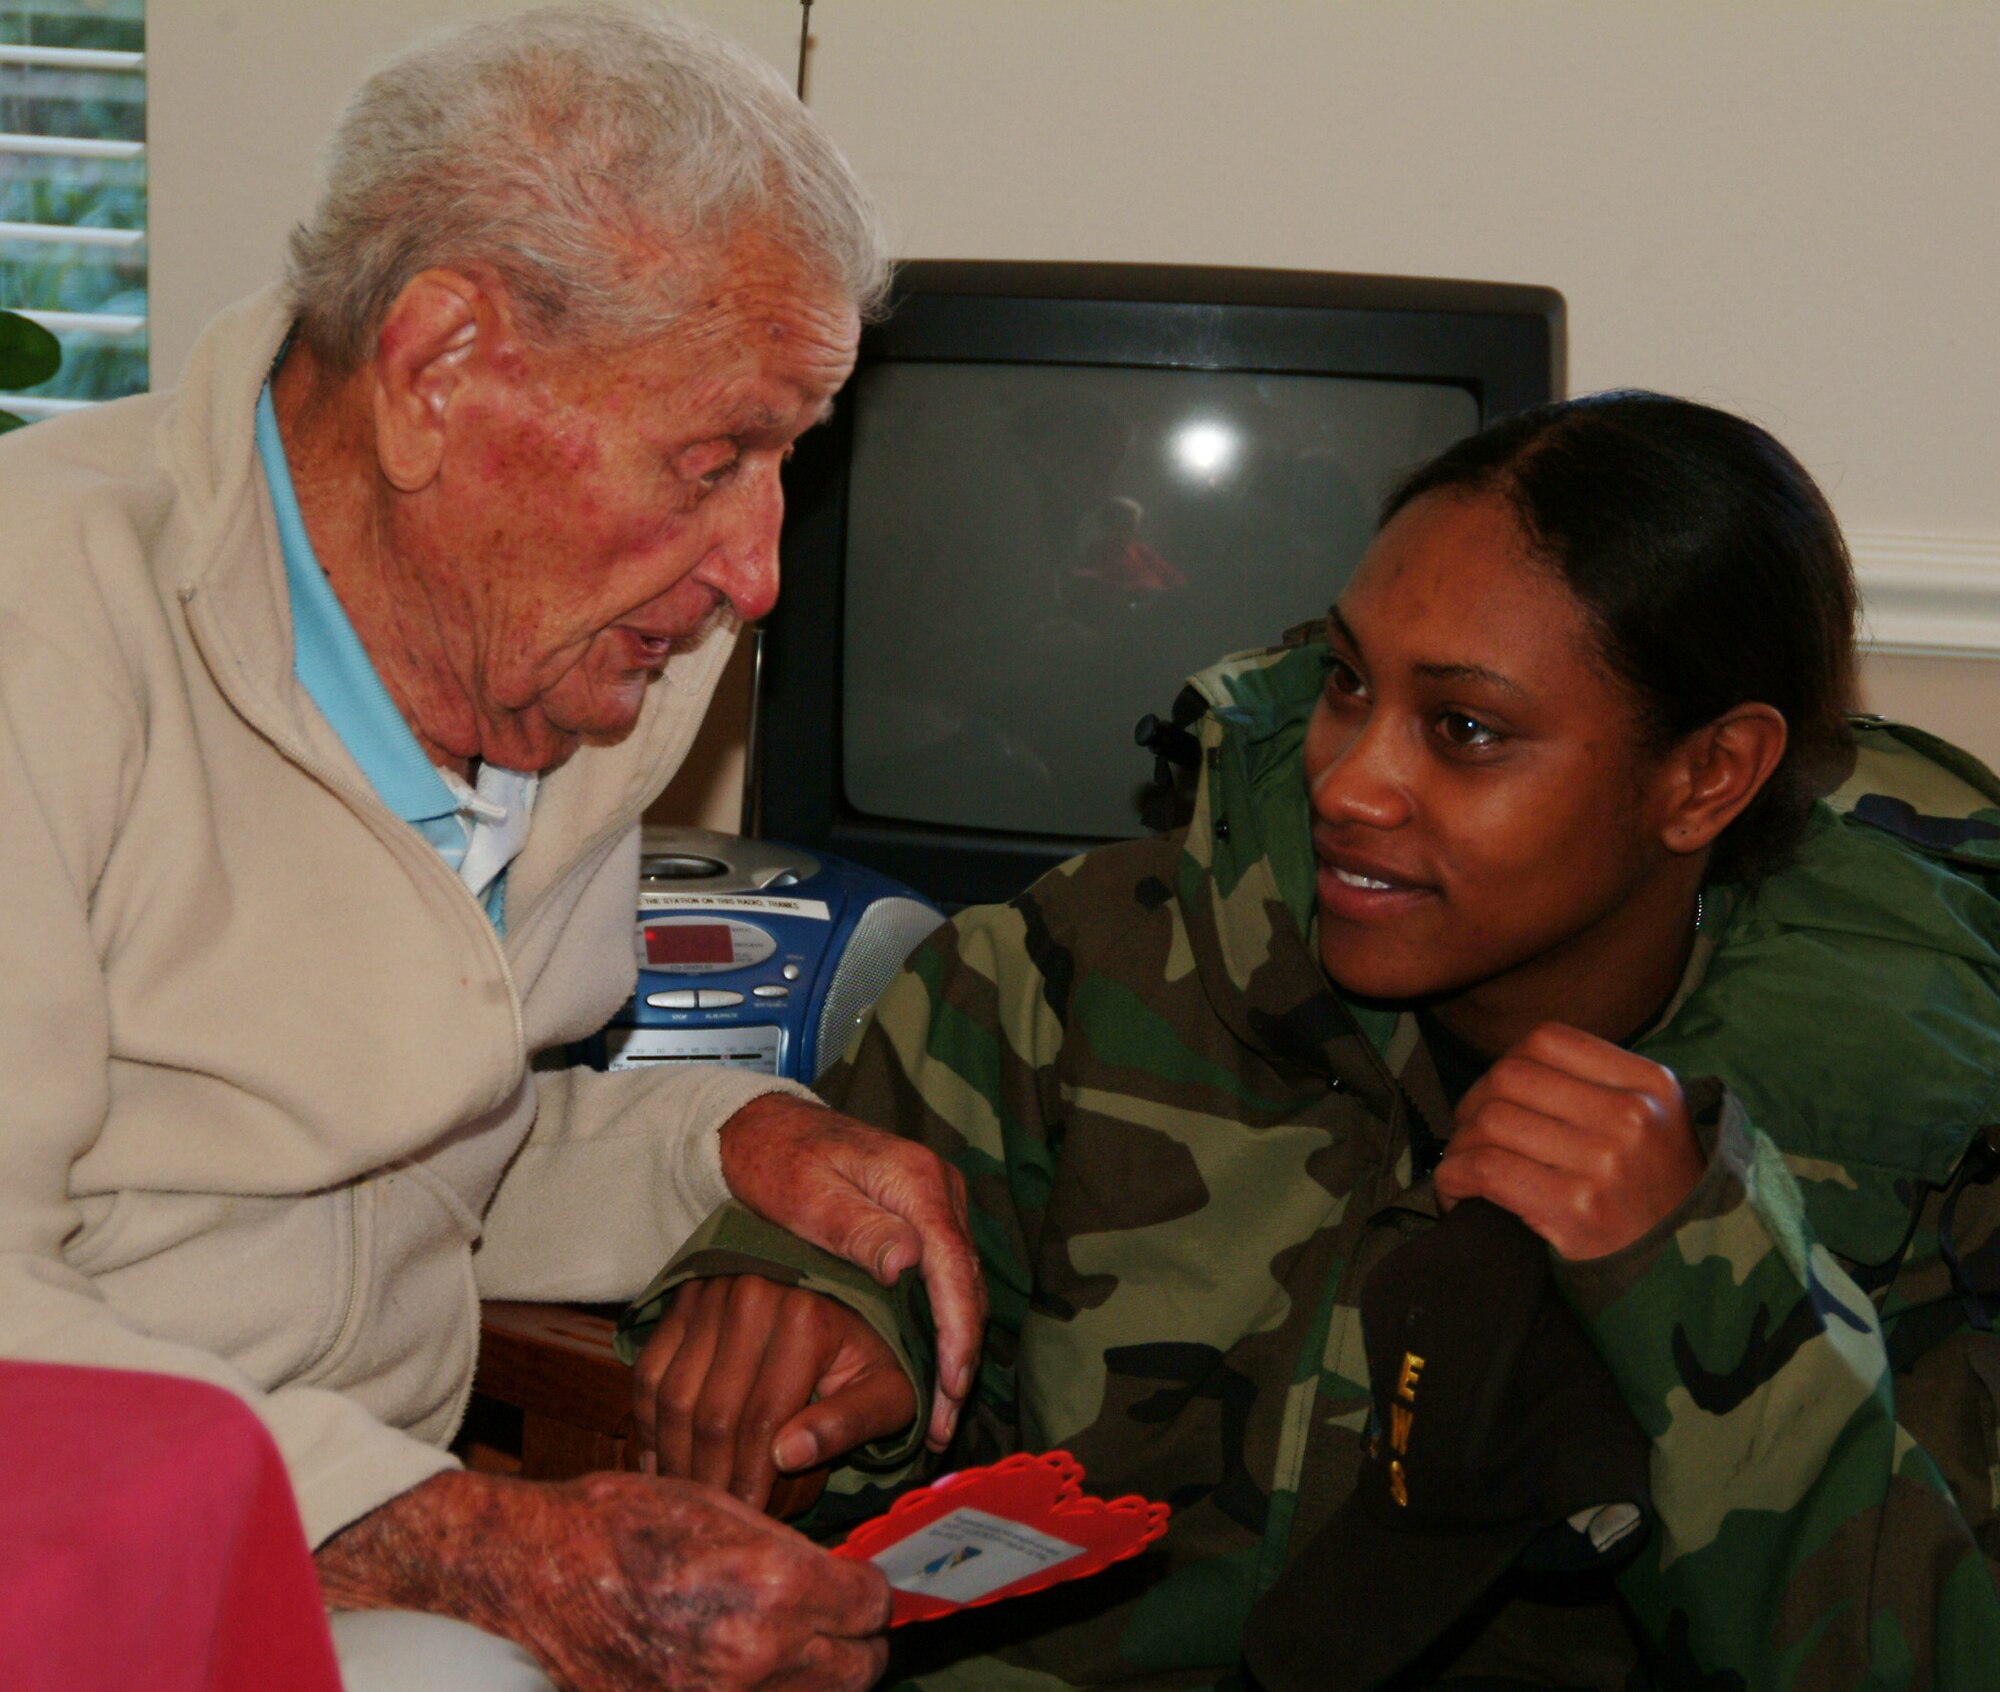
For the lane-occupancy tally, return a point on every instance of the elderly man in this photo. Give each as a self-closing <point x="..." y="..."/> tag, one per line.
<point x="333" y="687"/>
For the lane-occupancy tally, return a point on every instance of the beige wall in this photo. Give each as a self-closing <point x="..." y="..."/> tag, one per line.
<point x="1958" y="698"/>
<point x="1786" y="208"/>
<point x="241" y="95"/>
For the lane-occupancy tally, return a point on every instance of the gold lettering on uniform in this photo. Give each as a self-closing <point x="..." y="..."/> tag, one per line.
<point x="1406" y="1383"/>
<point x="1400" y="1421"/>
<point x="1398" y="1487"/>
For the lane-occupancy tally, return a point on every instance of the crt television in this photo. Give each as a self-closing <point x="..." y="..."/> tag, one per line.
<point x="1052" y="491"/>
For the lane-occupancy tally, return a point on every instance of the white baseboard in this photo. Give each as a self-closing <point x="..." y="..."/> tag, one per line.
<point x="1935" y="595"/>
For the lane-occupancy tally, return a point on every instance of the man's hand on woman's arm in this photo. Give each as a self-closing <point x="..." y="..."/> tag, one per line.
<point x="885" y="1203"/>
<point x="619" y="1580"/>
<point x="745" y="1379"/>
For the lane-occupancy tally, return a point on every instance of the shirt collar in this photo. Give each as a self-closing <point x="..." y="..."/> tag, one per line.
<point x="334" y="667"/>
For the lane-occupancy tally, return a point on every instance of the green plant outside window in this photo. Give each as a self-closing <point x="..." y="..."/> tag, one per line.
<point x="72" y="133"/>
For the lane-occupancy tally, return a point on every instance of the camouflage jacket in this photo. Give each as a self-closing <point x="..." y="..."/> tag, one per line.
<point x="1185" y="1150"/>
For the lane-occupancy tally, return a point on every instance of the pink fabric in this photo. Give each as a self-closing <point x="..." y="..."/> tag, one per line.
<point x="148" y="1538"/>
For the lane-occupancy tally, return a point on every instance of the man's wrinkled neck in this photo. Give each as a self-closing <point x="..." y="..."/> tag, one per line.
<point x="325" y="422"/>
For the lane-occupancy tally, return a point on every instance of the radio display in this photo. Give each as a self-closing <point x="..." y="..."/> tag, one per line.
<point x="690" y="943"/>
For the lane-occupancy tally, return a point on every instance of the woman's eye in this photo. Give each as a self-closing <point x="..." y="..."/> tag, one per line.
<point x="1460" y="730"/>
<point x="1344" y="679"/>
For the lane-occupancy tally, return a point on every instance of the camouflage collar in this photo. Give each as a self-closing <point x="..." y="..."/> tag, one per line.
<point x="1865" y="974"/>
<point x="1246" y="889"/>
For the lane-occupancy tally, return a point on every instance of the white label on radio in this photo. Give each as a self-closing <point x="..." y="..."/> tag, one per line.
<point x="761" y="1048"/>
<point x="814" y="910"/>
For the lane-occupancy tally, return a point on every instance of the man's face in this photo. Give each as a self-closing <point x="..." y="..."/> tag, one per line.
<point x="596" y="509"/>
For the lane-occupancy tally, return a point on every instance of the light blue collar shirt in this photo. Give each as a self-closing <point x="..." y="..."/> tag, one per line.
<point x="477" y="831"/>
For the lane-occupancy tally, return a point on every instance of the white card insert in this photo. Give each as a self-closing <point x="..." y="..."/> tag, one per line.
<point x="969" y="1553"/>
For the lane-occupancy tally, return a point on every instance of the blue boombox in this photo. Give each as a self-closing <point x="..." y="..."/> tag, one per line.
<point x="757" y="954"/>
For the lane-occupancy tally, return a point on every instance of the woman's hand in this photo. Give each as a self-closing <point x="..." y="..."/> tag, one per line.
<point x="1587" y="1143"/>
<point x="745" y="1379"/>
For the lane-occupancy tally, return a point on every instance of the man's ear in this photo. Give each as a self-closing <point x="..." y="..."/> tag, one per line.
<point x="434" y="335"/>
<point x="1716" y="771"/>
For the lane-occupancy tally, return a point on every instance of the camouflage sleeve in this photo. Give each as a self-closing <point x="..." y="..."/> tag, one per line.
<point x="959" y="1053"/>
<point x="955" y="1054"/>
<point x="733" y="1241"/>
<point x="1804" y="1537"/>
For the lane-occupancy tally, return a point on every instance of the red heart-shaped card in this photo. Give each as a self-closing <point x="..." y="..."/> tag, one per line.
<point x="985" y="1534"/>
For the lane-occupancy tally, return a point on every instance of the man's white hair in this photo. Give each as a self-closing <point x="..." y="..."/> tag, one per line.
<point x="593" y="157"/>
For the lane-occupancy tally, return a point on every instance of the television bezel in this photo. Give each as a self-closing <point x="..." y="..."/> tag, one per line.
<point x="1501" y="342"/>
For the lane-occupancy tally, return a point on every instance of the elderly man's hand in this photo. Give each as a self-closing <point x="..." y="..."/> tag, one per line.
<point x="615" y="1581"/>
<point x="883" y="1203"/>
<point x="744" y="1380"/>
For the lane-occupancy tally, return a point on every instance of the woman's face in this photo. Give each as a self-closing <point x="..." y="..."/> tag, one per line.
<point x="1486" y="817"/>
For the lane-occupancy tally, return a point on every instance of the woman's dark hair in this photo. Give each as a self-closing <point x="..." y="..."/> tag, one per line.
<point x="1709" y="561"/>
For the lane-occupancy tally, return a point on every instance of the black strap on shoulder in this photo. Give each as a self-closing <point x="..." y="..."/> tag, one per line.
<point x="1173" y="747"/>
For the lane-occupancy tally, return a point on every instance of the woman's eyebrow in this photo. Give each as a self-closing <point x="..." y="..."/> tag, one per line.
<point x="1472" y="673"/>
<point x="1437" y="671"/>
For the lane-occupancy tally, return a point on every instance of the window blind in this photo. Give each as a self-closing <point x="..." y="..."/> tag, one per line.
<point x="73" y="192"/>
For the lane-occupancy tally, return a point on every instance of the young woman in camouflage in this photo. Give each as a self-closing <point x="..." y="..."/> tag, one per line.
<point x="1513" y="885"/>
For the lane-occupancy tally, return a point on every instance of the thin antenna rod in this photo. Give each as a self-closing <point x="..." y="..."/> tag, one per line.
<point x="753" y="813"/>
<point x="752" y="823"/>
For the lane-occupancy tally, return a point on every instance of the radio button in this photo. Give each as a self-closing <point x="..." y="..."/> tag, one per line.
<point x="790" y="972"/>
<point x="678" y="998"/>
<point x="772" y="992"/>
<point x="716" y="998"/>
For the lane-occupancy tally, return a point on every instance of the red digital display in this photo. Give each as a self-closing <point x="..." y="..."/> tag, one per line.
<point x="690" y="943"/>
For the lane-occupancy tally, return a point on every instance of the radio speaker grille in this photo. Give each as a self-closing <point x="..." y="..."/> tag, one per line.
<point x="887" y="932"/>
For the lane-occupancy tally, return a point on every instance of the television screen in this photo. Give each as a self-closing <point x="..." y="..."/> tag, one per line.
<point x="1038" y="554"/>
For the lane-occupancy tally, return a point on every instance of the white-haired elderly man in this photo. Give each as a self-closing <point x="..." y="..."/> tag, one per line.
<point x="332" y="686"/>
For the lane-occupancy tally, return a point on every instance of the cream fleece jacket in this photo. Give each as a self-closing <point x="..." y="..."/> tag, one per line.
<point x="266" y="1112"/>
